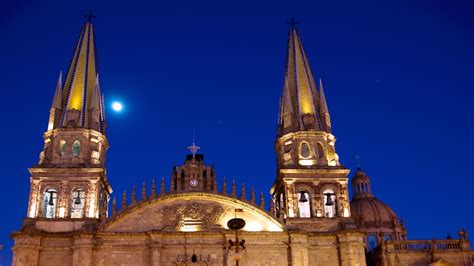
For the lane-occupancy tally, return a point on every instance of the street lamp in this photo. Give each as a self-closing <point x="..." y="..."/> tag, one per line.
<point x="236" y="224"/>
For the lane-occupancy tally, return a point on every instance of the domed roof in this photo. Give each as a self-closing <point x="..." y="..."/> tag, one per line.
<point x="370" y="211"/>
<point x="366" y="209"/>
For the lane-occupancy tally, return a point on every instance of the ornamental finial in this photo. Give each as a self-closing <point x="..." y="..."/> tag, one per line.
<point x="292" y="22"/>
<point x="90" y="15"/>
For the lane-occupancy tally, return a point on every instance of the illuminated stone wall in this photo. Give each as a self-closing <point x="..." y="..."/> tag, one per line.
<point x="173" y="248"/>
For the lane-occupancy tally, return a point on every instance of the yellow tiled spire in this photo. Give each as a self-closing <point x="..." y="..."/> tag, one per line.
<point x="78" y="101"/>
<point x="300" y="100"/>
<point x="81" y="77"/>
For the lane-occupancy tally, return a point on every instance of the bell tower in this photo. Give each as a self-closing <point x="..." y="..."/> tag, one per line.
<point x="311" y="183"/>
<point x="194" y="174"/>
<point x="69" y="181"/>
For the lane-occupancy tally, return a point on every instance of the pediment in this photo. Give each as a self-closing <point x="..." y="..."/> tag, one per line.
<point x="189" y="212"/>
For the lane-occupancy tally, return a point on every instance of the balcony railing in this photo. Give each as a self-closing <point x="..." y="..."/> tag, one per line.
<point x="426" y="245"/>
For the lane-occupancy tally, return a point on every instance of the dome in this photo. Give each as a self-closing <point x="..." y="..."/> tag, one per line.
<point x="369" y="211"/>
<point x="366" y="209"/>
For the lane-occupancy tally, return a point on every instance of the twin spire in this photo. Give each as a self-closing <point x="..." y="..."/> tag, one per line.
<point x="78" y="101"/>
<point x="302" y="106"/>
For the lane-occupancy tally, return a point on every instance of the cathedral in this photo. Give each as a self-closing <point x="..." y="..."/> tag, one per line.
<point x="72" y="218"/>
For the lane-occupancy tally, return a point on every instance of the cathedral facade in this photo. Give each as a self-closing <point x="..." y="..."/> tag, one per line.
<point x="72" y="220"/>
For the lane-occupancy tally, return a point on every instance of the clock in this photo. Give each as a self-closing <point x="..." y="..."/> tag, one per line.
<point x="193" y="183"/>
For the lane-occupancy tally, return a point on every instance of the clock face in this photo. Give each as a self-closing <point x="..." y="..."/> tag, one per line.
<point x="193" y="182"/>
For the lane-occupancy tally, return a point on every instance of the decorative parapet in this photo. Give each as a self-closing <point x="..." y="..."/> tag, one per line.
<point x="154" y="194"/>
<point x="423" y="246"/>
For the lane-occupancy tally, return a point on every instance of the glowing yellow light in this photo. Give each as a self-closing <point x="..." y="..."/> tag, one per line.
<point x="253" y="226"/>
<point x="62" y="211"/>
<point x="306" y="162"/>
<point x="346" y="212"/>
<point x="32" y="209"/>
<point x="190" y="228"/>
<point x="91" y="207"/>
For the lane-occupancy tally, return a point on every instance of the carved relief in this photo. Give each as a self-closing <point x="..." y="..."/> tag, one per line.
<point x="192" y="214"/>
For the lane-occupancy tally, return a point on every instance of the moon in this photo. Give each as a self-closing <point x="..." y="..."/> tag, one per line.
<point x="117" y="106"/>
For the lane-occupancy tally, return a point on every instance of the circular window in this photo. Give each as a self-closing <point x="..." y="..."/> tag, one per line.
<point x="305" y="150"/>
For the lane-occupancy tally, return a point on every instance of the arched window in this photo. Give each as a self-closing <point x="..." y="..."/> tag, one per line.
<point x="387" y="237"/>
<point x="304" y="204"/>
<point x="372" y="242"/>
<point x="62" y="147"/>
<point x="320" y="151"/>
<point x="76" y="148"/>
<point x="49" y="203"/>
<point x="330" y="202"/>
<point x="304" y="150"/>
<point x="78" y="199"/>
<point x="182" y="179"/>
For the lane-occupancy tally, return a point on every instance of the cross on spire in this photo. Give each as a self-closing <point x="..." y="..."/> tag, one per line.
<point x="194" y="148"/>
<point x="90" y="15"/>
<point x="292" y="22"/>
<point x="357" y="158"/>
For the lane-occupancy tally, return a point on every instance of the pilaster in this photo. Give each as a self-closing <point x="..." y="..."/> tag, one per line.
<point x="299" y="249"/>
<point x="82" y="250"/>
<point x="351" y="248"/>
<point x="26" y="250"/>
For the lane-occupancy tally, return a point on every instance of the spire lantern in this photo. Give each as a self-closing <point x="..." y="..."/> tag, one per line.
<point x="361" y="184"/>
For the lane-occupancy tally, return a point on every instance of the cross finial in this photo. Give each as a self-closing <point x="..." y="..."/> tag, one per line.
<point x="357" y="158"/>
<point x="292" y="22"/>
<point x="194" y="148"/>
<point x="90" y="15"/>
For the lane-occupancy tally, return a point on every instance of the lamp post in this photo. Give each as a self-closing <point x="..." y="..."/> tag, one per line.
<point x="236" y="224"/>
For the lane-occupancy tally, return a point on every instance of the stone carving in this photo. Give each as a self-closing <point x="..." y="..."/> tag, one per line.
<point x="205" y="215"/>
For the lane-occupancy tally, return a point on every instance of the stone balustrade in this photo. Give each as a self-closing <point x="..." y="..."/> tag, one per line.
<point x="426" y="245"/>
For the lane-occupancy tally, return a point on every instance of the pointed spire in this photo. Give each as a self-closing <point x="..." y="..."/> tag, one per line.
<point x="153" y="189"/>
<point x="224" y="187"/>
<point x="323" y="109"/>
<point x="234" y="189"/>
<point x="252" y="196"/>
<point x="114" y="206"/>
<point x="56" y="106"/>
<point x="298" y="107"/>
<point x="262" y="201"/>
<point x="80" y="82"/>
<point x="57" y="101"/>
<point x="162" y="185"/>
<point x="124" y="200"/>
<point x="144" y="197"/>
<point x="243" y="195"/>
<point x="96" y="97"/>
<point x="134" y="195"/>
<point x="214" y="186"/>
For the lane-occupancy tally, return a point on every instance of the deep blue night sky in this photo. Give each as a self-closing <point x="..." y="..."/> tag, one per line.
<point x="398" y="77"/>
